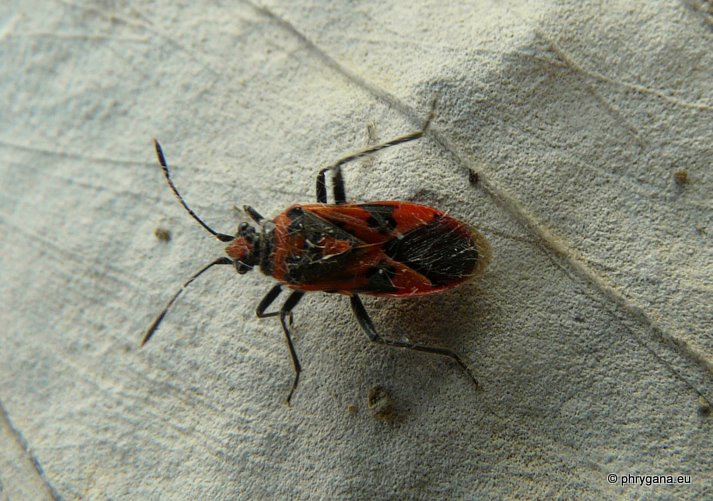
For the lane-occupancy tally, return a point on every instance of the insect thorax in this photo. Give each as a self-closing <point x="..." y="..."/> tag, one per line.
<point x="267" y="246"/>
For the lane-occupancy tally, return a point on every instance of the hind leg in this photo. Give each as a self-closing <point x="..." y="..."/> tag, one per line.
<point x="368" y="327"/>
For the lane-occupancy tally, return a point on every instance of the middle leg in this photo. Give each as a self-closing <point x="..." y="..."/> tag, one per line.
<point x="336" y="168"/>
<point x="284" y="313"/>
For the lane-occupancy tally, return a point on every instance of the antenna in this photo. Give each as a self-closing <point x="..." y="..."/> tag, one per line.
<point x="154" y="325"/>
<point x="162" y="160"/>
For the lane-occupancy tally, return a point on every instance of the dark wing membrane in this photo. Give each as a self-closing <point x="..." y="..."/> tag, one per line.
<point x="438" y="250"/>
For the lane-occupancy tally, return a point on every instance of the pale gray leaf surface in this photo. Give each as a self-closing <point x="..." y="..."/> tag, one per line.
<point x="590" y="333"/>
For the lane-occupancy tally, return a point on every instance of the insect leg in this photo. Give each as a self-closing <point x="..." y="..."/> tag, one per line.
<point x="267" y="301"/>
<point x="286" y="311"/>
<point x="336" y="168"/>
<point x="368" y="327"/>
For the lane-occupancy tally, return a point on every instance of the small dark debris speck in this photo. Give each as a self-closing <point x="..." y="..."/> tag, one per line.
<point x="162" y="234"/>
<point x="381" y="404"/>
<point x="680" y="177"/>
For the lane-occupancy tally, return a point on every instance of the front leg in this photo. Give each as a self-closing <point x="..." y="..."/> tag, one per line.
<point x="267" y="301"/>
<point x="367" y="326"/>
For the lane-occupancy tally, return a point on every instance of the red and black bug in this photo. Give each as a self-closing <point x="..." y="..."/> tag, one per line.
<point x="391" y="248"/>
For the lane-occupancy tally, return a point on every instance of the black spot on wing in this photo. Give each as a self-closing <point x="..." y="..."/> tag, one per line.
<point x="308" y="264"/>
<point x="436" y="250"/>
<point x="380" y="277"/>
<point x="381" y="217"/>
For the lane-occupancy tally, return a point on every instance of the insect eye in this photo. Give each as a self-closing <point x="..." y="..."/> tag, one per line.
<point x="243" y="227"/>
